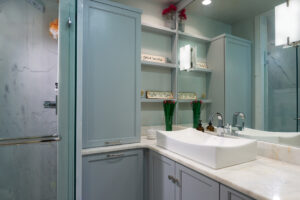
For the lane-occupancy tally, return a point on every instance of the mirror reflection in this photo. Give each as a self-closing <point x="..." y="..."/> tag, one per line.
<point x="255" y="64"/>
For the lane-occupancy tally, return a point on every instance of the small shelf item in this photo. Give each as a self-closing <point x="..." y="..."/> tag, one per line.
<point x="153" y="58"/>
<point x="159" y="95"/>
<point x="187" y="96"/>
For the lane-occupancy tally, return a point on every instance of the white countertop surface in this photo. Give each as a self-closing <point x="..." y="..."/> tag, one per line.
<point x="262" y="179"/>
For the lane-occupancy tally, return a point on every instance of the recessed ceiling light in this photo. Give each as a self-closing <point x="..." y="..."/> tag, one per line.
<point x="206" y="2"/>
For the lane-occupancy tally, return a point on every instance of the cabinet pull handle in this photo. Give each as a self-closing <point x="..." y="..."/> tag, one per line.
<point x="114" y="155"/>
<point x="113" y="143"/>
<point x="174" y="180"/>
<point x="171" y="178"/>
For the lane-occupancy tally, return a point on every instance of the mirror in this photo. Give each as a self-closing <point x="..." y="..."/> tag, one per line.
<point x="261" y="80"/>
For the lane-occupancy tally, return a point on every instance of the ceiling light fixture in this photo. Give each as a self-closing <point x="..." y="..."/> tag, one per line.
<point x="206" y="2"/>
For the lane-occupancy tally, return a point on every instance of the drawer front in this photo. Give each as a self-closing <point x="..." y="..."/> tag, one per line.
<point x="113" y="176"/>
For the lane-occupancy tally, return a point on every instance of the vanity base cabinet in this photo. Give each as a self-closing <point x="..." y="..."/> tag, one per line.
<point x="161" y="169"/>
<point x="227" y="193"/>
<point x="194" y="186"/>
<point x="113" y="176"/>
<point x="172" y="181"/>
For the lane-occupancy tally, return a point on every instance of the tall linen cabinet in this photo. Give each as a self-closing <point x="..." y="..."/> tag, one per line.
<point x="108" y="103"/>
<point x="229" y="58"/>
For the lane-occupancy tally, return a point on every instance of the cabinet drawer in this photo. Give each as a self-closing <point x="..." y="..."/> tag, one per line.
<point x="227" y="193"/>
<point x="113" y="176"/>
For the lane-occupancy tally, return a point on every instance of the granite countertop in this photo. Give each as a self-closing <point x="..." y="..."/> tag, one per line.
<point x="262" y="179"/>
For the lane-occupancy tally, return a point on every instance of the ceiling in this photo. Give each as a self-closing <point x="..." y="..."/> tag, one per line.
<point x="231" y="11"/>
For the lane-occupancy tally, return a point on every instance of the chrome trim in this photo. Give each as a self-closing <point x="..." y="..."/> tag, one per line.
<point x="114" y="155"/>
<point x="113" y="142"/>
<point x="29" y="140"/>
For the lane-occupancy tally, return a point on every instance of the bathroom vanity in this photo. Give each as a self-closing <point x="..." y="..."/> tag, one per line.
<point x="166" y="175"/>
<point x="120" y="175"/>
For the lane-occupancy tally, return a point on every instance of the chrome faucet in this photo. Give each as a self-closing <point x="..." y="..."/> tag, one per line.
<point x="220" y="127"/>
<point x="235" y="119"/>
<point x="220" y="119"/>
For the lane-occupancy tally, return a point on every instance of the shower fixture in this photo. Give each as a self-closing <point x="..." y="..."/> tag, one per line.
<point x="38" y="4"/>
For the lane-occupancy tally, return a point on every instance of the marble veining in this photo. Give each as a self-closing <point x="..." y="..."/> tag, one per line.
<point x="262" y="179"/>
<point x="279" y="152"/>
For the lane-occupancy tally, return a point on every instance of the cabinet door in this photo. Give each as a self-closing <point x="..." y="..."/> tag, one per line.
<point x="161" y="187"/>
<point x="237" y="78"/>
<point x="194" y="186"/>
<point x="113" y="176"/>
<point x="110" y="73"/>
<point x="229" y="194"/>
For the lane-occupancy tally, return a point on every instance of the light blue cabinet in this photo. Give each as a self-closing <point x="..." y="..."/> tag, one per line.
<point x="227" y="193"/>
<point x="229" y="57"/>
<point x="172" y="181"/>
<point x="109" y="73"/>
<point x="113" y="176"/>
<point x="194" y="186"/>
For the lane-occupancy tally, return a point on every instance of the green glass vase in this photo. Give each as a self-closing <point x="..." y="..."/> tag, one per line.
<point x="169" y="107"/>
<point x="196" y="112"/>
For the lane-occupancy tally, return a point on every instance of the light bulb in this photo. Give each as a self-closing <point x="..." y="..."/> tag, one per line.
<point x="206" y="2"/>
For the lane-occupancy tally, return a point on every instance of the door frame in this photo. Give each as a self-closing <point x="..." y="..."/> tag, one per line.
<point x="66" y="100"/>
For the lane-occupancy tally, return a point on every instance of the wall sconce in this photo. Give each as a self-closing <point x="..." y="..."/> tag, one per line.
<point x="287" y="26"/>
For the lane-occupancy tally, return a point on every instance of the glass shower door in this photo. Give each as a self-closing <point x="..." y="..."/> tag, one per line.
<point x="281" y="83"/>
<point x="28" y="73"/>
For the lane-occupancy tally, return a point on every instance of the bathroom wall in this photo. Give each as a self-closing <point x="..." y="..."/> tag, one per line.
<point x="28" y="72"/>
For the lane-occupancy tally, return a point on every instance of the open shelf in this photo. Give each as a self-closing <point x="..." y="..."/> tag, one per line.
<point x="193" y="37"/>
<point x="204" y="101"/>
<point x="145" y="100"/>
<point x="201" y="70"/>
<point x="154" y="64"/>
<point x="158" y="29"/>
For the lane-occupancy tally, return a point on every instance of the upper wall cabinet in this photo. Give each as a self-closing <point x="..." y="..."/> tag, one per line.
<point x="108" y="75"/>
<point x="229" y="58"/>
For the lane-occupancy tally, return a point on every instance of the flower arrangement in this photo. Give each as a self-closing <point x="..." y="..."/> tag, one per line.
<point x="170" y="10"/>
<point x="169" y="107"/>
<point x="169" y="14"/>
<point x="182" y="15"/>
<point x="196" y="112"/>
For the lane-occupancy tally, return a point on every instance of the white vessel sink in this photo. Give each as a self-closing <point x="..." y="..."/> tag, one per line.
<point x="289" y="138"/>
<point x="213" y="151"/>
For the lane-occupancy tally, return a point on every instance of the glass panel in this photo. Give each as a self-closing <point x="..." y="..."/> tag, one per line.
<point x="280" y="82"/>
<point x="28" y="72"/>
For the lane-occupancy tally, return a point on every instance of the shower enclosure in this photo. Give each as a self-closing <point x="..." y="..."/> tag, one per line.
<point x="35" y="71"/>
<point x="281" y="84"/>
